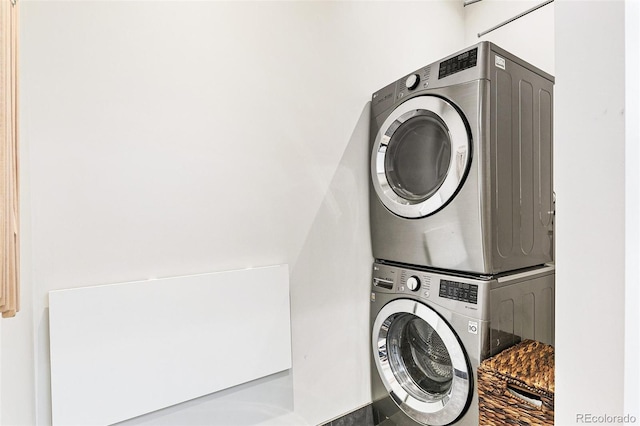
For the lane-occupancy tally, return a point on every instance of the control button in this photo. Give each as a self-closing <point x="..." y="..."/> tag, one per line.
<point x="412" y="81"/>
<point x="413" y="283"/>
<point x="426" y="294"/>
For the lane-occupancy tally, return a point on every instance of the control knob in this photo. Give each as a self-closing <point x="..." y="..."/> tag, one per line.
<point x="412" y="81"/>
<point x="413" y="283"/>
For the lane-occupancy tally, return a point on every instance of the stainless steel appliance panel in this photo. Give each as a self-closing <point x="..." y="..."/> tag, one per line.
<point x="521" y="166"/>
<point x="496" y="215"/>
<point x="486" y="314"/>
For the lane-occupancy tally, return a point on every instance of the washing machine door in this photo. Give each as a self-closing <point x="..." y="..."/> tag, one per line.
<point x="420" y="157"/>
<point x="421" y="362"/>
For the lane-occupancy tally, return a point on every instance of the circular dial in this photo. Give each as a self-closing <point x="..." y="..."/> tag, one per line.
<point x="413" y="283"/>
<point x="412" y="81"/>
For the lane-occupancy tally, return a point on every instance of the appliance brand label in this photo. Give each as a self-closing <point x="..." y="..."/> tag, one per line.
<point x="500" y="62"/>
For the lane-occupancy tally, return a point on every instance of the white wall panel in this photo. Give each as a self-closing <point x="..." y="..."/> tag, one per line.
<point x="590" y="186"/>
<point x="632" y="206"/>
<point x="169" y="138"/>
<point x="122" y="350"/>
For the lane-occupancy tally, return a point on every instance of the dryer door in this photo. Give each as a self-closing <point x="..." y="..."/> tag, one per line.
<point x="420" y="157"/>
<point x="421" y="362"/>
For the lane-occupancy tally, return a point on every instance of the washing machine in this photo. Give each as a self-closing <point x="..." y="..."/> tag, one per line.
<point x="461" y="164"/>
<point x="431" y="330"/>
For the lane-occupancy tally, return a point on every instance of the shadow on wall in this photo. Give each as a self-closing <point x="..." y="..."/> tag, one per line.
<point x="338" y="248"/>
<point x="330" y="307"/>
<point x="330" y="310"/>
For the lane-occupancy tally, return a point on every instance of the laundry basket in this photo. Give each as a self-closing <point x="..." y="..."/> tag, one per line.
<point x="516" y="387"/>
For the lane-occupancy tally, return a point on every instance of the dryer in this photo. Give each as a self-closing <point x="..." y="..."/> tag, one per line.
<point x="461" y="164"/>
<point x="430" y="331"/>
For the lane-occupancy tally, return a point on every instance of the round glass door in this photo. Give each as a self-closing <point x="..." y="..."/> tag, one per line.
<point x="420" y="157"/>
<point x="421" y="362"/>
<point x="422" y="138"/>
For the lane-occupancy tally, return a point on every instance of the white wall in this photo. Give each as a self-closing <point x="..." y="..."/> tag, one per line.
<point x="632" y="208"/>
<point x="590" y="183"/>
<point x="530" y="37"/>
<point x="171" y="138"/>
<point x="583" y="44"/>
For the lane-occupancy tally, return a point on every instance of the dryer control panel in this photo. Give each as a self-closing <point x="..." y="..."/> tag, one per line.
<point x="463" y="61"/>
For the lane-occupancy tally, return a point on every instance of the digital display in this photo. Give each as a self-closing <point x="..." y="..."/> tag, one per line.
<point x="458" y="63"/>
<point x="459" y="291"/>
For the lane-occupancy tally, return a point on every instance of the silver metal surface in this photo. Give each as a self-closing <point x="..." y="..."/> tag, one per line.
<point x="438" y="409"/>
<point x="499" y="216"/>
<point x="509" y="307"/>
<point x="459" y="159"/>
<point x="523" y="274"/>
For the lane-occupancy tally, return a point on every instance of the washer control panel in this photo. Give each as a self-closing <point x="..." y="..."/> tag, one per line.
<point x="413" y="283"/>
<point x="455" y="290"/>
<point x="459" y="293"/>
<point x="397" y="280"/>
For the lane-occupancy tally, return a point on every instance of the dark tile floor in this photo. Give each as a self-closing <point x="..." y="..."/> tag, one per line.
<point x="361" y="417"/>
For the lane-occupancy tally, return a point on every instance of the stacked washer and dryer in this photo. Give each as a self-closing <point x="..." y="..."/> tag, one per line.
<point x="462" y="210"/>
